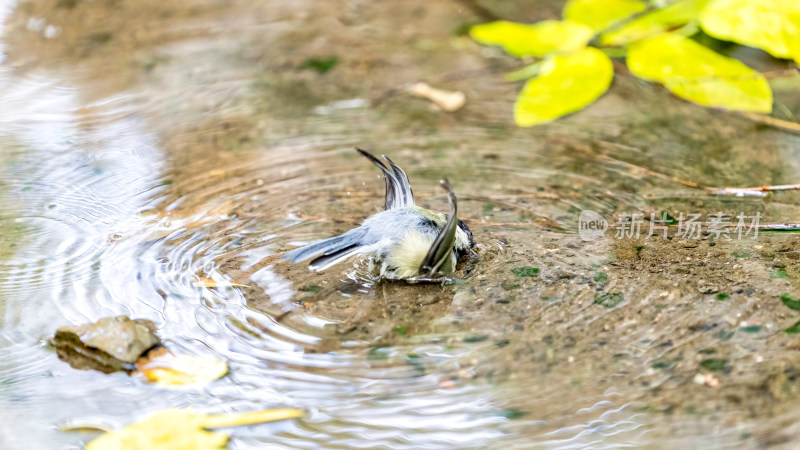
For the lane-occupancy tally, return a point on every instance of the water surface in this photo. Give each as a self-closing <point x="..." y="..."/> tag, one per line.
<point x="145" y="145"/>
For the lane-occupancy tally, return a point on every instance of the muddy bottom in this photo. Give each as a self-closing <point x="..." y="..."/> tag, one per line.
<point x="146" y="146"/>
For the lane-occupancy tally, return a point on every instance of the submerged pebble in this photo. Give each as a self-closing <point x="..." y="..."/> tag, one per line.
<point x="109" y="345"/>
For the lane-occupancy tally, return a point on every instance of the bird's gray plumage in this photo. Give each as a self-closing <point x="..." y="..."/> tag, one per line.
<point x="404" y="240"/>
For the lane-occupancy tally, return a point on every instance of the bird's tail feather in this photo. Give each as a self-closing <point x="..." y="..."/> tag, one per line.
<point x="327" y="249"/>
<point x="328" y="260"/>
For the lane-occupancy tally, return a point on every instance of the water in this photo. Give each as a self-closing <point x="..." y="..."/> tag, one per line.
<point x="188" y="140"/>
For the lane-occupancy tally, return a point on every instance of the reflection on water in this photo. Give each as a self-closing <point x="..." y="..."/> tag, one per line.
<point x="213" y="159"/>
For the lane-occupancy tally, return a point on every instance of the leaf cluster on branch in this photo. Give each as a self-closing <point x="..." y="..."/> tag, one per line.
<point x="574" y="70"/>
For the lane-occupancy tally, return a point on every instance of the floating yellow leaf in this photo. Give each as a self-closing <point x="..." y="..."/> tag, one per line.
<point x="657" y="22"/>
<point x="771" y="25"/>
<point x="209" y="283"/>
<point x="538" y="39"/>
<point x="180" y="370"/>
<point x="566" y="84"/>
<point x="178" y="429"/>
<point x="697" y="73"/>
<point x="600" y="14"/>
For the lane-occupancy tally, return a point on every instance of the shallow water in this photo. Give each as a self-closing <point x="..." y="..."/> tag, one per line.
<point x="145" y="147"/>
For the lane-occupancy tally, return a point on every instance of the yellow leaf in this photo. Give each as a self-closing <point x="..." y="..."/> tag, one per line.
<point x="249" y="418"/>
<point x="180" y="370"/>
<point x="179" y="429"/>
<point x="600" y="14"/>
<point x="657" y="22"/>
<point x="538" y="39"/>
<point x="696" y="73"/>
<point x="566" y="84"/>
<point x="771" y="25"/>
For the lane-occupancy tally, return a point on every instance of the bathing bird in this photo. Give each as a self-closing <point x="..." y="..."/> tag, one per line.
<point x="403" y="241"/>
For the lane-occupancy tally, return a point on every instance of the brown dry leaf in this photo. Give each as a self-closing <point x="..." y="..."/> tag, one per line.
<point x="177" y="429"/>
<point x="84" y="427"/>
<point x="164" y="368"/>
<point x="209" y="283"/>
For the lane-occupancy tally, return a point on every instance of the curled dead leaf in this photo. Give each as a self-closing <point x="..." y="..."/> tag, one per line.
<point x="164" y="368"/>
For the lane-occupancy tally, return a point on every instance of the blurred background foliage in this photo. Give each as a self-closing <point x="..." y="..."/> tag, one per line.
<point x="661" y="42"/>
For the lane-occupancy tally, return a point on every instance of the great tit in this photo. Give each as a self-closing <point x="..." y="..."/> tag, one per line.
<point x="404" y="241"/>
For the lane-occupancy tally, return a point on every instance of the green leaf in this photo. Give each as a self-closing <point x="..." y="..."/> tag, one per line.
<point x="476" y="338"/>
<point x="512" y="414"/>
<point x="698" y="74"/>
<point x="401" y="329"/>
<point x="566" y="84"/>
<point x="714" y="364"/>
<point x="525" y="271"/>
<point x="600" y="277"/>
<point x="609" y="300"/>
<point x="657" y="22"/>
<point x="794" y="329"/>
<point x="790" y="302"/>
<point x="600" y="14"/>
<point x="771" y="25"/>
<point x="538" y="39"/>
<point x="321" y="65"/>
<point x="779" y="273"/>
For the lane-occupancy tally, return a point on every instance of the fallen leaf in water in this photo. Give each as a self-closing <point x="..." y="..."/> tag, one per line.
<point x="164" y="368"/>
<point x="84" y="427"/>
<point x="179" y="429"/>
<point x="446" y="100"/>
<point x="209" y="283"/>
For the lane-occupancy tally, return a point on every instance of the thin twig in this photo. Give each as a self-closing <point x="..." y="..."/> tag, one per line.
<point x="780" y="73"/>
<point x="757" y="189"/>
<point x="792" y="127"/>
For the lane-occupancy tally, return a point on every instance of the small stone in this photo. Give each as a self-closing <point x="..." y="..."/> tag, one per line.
<point x="111" y="344"/>
<point x="427" y="299"/>
<point x="708" y="289"/>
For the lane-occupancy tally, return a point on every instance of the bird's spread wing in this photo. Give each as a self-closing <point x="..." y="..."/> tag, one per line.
<point x="442" y="248"/>
<point x="398" y="189"/>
